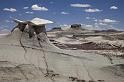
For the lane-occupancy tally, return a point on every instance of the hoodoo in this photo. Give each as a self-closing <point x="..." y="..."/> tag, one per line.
<point x="35" y="26"/>
<point x="20" y="24"/>
<point x="38" y="25"/>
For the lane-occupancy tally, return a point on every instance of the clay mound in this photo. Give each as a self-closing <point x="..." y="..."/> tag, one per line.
<point x="93" y="46"/>
<point x="117" y="69"/>
<point x="18" y="73"/>
<point x="97" y="46"/>
<point x="6" y="64"/>
<point x="94" y="38"/>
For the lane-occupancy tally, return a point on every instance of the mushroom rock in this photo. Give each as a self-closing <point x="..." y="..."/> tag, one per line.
<point x="38" y="21"/>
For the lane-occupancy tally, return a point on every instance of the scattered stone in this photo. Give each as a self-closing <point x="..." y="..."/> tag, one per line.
<point x="101" y="80"/>
<point x="81" y="81"/>
<point x="73" y="78"/>
<point x="91" y="81"/>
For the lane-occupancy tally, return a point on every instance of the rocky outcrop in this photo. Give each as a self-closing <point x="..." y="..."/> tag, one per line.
<point x="76" y="26"/>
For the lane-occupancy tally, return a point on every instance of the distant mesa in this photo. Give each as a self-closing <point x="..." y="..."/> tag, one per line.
<point x="108" y="30"/>
<point x="73" y="27"/>
<point x="56" y="29"/>
<point x="4" y="31"/>
<point x="76" y="26"/>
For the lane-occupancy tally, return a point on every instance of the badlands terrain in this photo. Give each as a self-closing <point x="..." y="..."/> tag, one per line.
<point x="72" y="55"/>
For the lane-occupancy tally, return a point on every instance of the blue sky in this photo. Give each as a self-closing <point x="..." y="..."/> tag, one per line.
<point x="93" y="14"/>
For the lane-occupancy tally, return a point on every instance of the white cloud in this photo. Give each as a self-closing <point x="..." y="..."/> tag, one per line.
<point x="113" y="7"/>
<point x="4" y="31"/>
<point x="25" y="7"/>
<point x="38" y="8"/>
<point x="103" y="24"/>
<point x="10" y="17"/>
<point x="95" y="20"/>
<point x="65" y="26"/>
<point x="89" y="26"/>
<point x="10" y="9"/>
<point x="92" y="10"/>
<point x="91" y="18"/>
<point x="7" y="21"/>
<point x="20" y="14"/>
<point x="87" y="17"/>
<point x="81" y="5"/>
<point x="29" y="12"/>
<point x="51" y="2"/>
<point x="108" y="21"/>
<point x="64" y="13"/>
